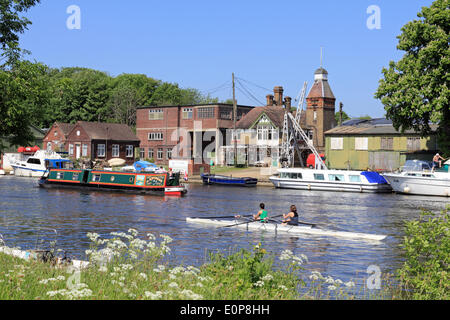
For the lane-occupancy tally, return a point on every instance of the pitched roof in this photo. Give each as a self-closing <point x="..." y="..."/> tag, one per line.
<point x="321" y="89"/>
<point x="65" y="127"/>
<point x="274" y="113"/>
<point x="108" y="131"/>
<point x="378" y="126"/>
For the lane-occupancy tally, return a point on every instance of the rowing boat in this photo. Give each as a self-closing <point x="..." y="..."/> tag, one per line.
<point x="273" y="227"/>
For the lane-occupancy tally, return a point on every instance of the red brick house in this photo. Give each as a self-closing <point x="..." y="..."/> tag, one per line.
<point x="104" y="141"/>
<point x="55" y="139"/>
<point x="162" y="128"/>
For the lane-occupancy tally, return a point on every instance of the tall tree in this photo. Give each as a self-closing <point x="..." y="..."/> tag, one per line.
<point x="415" y="90"/>
<point x="12" y="23"/>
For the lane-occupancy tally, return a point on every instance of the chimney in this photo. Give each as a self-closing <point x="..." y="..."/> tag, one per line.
<point x="278" y="92"/>
<point x="269" y="98"/>
<point x="287" y="103"/>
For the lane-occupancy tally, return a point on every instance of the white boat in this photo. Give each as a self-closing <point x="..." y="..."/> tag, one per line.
<point x="417" y="177"/>
<point x="273" y="227"/>
<point x="330" y="180"/>
<point x="37" y="164"/>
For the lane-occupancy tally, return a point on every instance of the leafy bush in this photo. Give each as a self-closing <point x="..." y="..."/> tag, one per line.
<point x="425" y="272"/>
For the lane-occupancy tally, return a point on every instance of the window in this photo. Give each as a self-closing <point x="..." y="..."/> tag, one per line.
<point x="96" y="177"/>
<point x="70" y="149"/>
<point x="160" y="153"/>
<point x="155" y="114"/>
<point x="226" y="113"/>
<point x="319" y="176"/>
<point x="336" y="177"/>
<point x="75" y="176"/>
<point x="34" y="161"/>
<point x="361" y="143"/>
<point x="413" y="144"/>
<point x="142" y="153"/>
<point x="84" y="151"/>
<point x="60" y="175"/>
<point x="205" y="113"/>
<point x="387" y="144"/>
<point x="155" y="136"/>
<point x="295" y="175"/>
<point x="100" y="150"/>
<point x="187" y="113"/>
<point x="150" y="153"/>
<point x="169" y="153"/>
<point x="115" y="150"/>
<point x="266" y="133"/>
<point x="354" y="178"/>
<point x="337" y="143"/>
<point x="130" y="150"/>
<point x="49" y="146"/>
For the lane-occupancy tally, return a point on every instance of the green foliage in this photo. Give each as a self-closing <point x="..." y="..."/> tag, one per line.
<point x="425" y="273"/>
<point x="345" y="117"/>
<point x="415" y="90"/>
<point x="11" y="25"/>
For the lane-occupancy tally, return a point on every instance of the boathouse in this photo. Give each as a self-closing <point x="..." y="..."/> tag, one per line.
<point x="375" y="144"/>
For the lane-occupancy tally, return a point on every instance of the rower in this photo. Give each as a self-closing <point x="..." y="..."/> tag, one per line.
<point x="262" y="214"/>
<point x="291" y="218"/>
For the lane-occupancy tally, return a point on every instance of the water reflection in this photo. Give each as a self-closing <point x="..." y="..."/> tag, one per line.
<point x="24" y="207"/>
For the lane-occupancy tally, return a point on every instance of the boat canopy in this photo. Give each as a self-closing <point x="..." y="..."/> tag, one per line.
<point x="416" y="165"/>
<point x="374" y="177"/>
<point x="145" y="166"/>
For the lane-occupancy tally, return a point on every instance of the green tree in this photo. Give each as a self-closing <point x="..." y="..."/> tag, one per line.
<point x="11" y="25"/>
<point x="415" y="90"/>
<point x="345" y="117"/>
<point x="24" y="92"/>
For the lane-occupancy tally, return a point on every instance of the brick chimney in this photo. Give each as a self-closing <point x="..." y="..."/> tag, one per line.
<point x="278" y="92"/>
<point x="269" y="98"/>
<point x="287" y="102"/>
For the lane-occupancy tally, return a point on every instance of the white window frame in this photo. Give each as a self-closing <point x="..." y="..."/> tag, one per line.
<point x="155" y="136"/>
<point x="160" y="154"/>
<point x="361" y="143"/>
<point x="101" y="147"/>
<point x="84" y="150"/>
<point x="187" y="113"/>
<point x="115" y="150"/>
<point x="71" y="148"/>
<point x="130" y="151"/>
<point x="155" y="114"/>
<point x="337" y="143"/>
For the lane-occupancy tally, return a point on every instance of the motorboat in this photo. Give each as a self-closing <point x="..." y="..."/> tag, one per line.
<point x="330" y="180"/>
<point x="37" y="164"/>
<point x="418" y="177"/>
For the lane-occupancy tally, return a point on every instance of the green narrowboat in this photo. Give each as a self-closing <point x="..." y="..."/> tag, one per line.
<point x="131" y="182"/>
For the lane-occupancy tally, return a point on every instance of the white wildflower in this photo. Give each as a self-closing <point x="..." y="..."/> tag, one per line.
<point x="259" y="283"/>
<point x="173" y="285"/>
<point x="153" y="296"/>
<point x="143" y="276"/>
<point x="332" y="287"/>
<point x="350" y="284"/>
<point x="267" y="277"/>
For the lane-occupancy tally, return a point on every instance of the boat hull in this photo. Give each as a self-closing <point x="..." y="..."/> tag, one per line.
<point x="258" y="226"/>
<point x="419" y="185"/>
<point x="27" y="172"/>
<point x="210" y="179"/>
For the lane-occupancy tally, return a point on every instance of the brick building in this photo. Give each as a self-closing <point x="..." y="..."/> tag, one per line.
<point x="187" y="132"/>
<point x="55" y="139"/>
<point x="105" y="141"/>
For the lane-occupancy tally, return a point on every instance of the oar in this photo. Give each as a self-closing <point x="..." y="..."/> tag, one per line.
<point x="300" y="222"/>
<point x="249" y="221"/>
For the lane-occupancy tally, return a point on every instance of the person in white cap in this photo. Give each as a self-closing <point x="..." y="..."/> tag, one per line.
<point x="437" y="160"/>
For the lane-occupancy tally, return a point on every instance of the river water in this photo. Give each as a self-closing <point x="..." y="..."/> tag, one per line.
<point x="26" y="210"/>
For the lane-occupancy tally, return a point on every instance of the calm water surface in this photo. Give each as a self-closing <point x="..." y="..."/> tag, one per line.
<point x="25" y="209"/>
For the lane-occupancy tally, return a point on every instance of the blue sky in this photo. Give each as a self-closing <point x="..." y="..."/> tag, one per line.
<point x="198" y="44"/>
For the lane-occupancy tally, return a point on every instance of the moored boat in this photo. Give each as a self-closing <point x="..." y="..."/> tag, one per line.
<point x="229" y="181"/>
<point x="274" y="227"/>
<point x="418" y="177"/>
<point x="330" y="180"/>
<point x="130" y="182"/>
<point x="38" y="163"/>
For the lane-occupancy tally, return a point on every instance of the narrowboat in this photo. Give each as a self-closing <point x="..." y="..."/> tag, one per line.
<point x="228" y="181"/>
<point x="99" y="180"/>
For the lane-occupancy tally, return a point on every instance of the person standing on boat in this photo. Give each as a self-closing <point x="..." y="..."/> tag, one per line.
<point x="262" y="214"/>
<point x="437" y="160"/>
<point x="291" y="218"/>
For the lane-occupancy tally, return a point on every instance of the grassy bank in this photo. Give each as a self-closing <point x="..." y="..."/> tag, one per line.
<point x="125" y="266"/>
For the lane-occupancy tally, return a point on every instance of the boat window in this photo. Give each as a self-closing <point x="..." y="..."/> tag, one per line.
<point x="284" y="175"/>
<point x="75" y="176"/>
<point x="96" y="177"/>
<point x="319" y="176"/>
<point x="354" y="178"/>
<point x="336" y="177"/>
<point x="295" y="175"/>
<point x="34" y="161"/>
<point x="411" y="174"/>
<point x="59" y="175"/>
